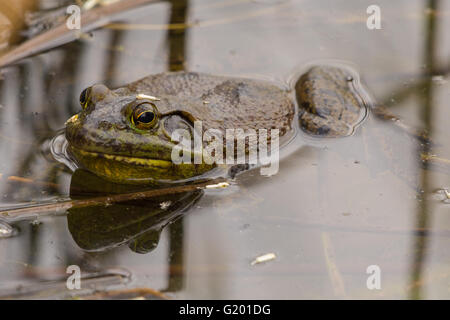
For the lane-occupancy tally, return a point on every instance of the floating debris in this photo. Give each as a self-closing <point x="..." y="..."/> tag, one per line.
<point x="443" y="195"/>
<point x="346" y="214"/>
<point x="165" y="204"/>
<point x="264" y="258"/>
<point x="6" y="230"/>
<point x="35" y="223"/>
<point x="218" y="185"/>
<point x="439" y="79"/>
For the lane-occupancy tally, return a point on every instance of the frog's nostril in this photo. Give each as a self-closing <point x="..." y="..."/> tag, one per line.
<point x="99" y="92"/>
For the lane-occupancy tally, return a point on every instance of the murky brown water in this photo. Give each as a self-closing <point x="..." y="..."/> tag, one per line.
<point x="335" y="207"/>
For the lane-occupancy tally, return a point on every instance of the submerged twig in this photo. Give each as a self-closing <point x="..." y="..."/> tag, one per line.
<point x="57" y="288"/>
<point x="60" y="35"/>
<point x="129" y="294"/>
<point x="29" y="181"/>
<point x="97" y="201"/>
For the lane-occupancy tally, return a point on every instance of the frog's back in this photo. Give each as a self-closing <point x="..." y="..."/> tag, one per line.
<point x="221" y="102"/>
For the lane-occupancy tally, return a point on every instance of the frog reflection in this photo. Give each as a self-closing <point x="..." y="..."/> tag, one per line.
<point x="137" y="223"/>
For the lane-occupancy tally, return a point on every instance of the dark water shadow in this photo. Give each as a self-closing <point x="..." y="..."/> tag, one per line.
<point x="424" y="212"/>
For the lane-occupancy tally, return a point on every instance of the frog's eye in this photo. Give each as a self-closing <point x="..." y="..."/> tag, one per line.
<point x="144" y="116"/>
<point x="84" y="97"/>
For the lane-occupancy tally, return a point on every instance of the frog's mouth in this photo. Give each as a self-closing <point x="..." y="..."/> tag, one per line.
<point x="133" y="161"/>
<point x="134" y="170"/>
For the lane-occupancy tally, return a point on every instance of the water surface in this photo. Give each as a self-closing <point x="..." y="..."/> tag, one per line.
<point x="335" y="207"/>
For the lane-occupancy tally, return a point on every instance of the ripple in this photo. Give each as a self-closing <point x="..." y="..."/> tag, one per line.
<point x="58" y="149"/>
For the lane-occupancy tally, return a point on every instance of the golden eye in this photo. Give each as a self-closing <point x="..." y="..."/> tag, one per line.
<point x="84" y="97"/>
<point x="144" y="116"/>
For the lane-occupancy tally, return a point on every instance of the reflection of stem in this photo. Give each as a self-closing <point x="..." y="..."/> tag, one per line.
<point x="111" y="60"/>
<point x="176" y="42"/>
<point x="176" y="38"/>
<point x="176" y="257"/>
<point x="104" y="200"/>
<point x="30" y="181"/>
<point x="424" y="212"/>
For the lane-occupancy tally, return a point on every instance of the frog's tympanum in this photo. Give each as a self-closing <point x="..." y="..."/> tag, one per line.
<point x="124" y="135"/>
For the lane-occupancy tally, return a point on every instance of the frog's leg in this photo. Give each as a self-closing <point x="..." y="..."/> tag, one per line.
<point x="329" y="102"/>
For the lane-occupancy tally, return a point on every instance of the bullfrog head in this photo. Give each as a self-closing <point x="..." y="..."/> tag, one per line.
<point x="124" y="135"/>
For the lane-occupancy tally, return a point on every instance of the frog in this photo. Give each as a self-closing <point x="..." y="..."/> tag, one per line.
<point x="125" y="135"/>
